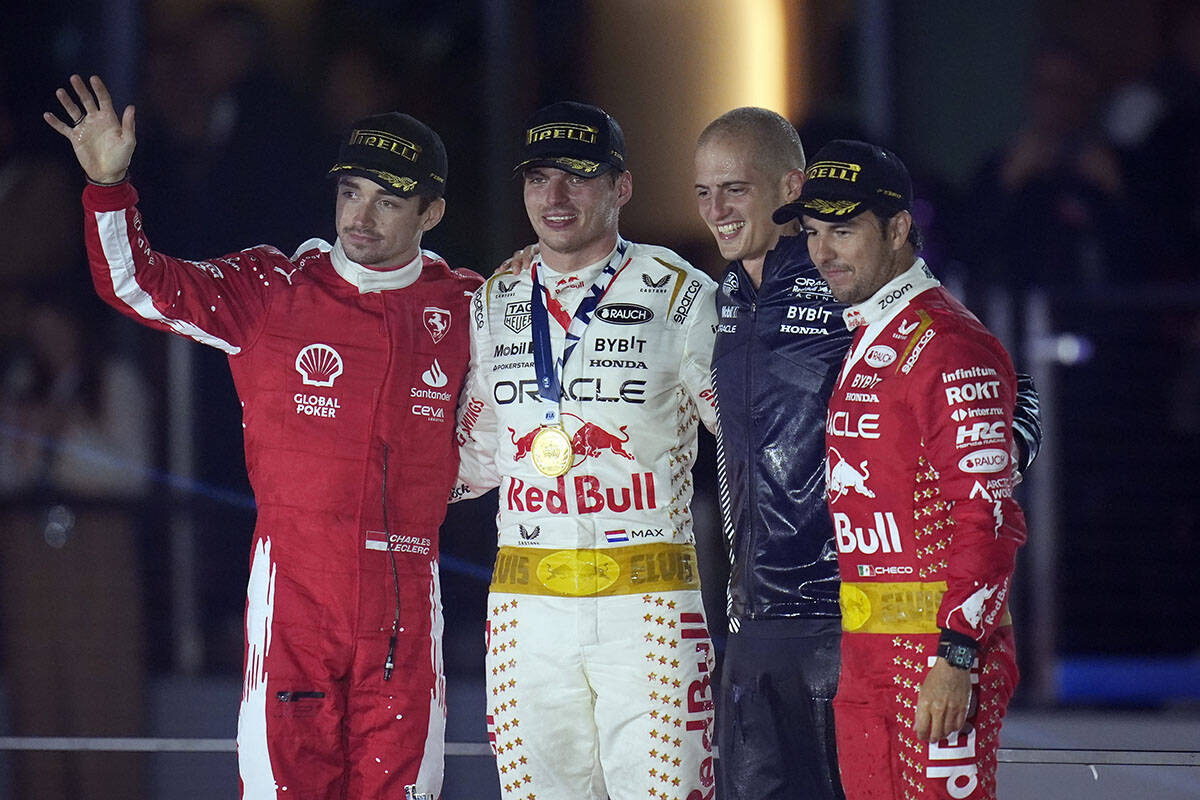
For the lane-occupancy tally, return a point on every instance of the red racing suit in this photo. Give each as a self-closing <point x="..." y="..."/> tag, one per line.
<point x="919" y="481"/>
<point x="348" y="379"/>
<point x="599" y="658"/>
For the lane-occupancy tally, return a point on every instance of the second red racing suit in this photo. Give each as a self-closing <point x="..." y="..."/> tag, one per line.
<point x="919" y="484"/>
<point x="599" y="658"/>
<point x="348" y="379"/>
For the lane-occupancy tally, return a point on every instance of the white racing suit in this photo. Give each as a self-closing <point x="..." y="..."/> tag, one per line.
<point x="599" y="658"/>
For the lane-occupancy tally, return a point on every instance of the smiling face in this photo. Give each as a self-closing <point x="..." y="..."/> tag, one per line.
<point x="736" y="197"/>
<point x="857" y="256"/>
<point x="379" y="229"/>
<point x="575" y="218"/>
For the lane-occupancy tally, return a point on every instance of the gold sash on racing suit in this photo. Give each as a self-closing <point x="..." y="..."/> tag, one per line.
<point x="596" y="572"/>
<point x="906" y="607"/>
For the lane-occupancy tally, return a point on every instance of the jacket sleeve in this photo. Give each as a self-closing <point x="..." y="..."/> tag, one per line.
<point x="477" y="424"/>
<point x="218" y="302"/>
<point x="964" y="400"/>
<point x="700" y="334"/>
<point x="1027" y="423"/>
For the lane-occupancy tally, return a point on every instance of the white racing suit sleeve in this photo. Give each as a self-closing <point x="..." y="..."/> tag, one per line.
<point x="696" y="369"/>
<point x="477" y="425"/>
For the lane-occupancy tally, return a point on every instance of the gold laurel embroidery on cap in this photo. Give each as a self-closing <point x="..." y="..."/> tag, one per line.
<point x="575" y="163"/>
<point x="398" y="181"/>
<point x="837" y="207"/>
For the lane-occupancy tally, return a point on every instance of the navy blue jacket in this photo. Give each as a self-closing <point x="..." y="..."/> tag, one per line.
<point x="778" y="352"/>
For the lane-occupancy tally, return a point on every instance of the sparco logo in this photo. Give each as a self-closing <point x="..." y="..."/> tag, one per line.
<point x="685" y="305"/>
<point x="319" y="365"/>
<point x="477" y="310"/>
<point x="517" y="316"/>
<point x="621" y="314"/>
<point x="911" y="361"/>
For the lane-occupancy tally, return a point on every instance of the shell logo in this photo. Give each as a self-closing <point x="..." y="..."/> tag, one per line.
<point x="319" y="365"/>
<point x="575" y="573"/>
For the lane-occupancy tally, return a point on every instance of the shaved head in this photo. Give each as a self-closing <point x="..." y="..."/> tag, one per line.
<point x="774" y="145"/>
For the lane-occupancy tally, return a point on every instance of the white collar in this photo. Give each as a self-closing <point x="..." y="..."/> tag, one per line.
<point x="585" y="273"/>
<point x="376" y="280"/>
<point x="885" y="303"/>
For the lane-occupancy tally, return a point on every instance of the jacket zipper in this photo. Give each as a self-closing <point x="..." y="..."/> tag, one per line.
<point x="389" y="664"/>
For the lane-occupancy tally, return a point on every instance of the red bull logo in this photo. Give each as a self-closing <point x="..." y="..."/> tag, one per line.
<point x="700" y="703"/>
<point x="841" y="477"/>
<point x="590" y="441"/>
<point x="583" y="494"/>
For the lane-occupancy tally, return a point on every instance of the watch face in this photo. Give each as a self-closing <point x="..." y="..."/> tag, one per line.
<point x="957" y="655"/>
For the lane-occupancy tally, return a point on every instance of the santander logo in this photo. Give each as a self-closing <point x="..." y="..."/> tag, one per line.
<point x="434" y="377"/>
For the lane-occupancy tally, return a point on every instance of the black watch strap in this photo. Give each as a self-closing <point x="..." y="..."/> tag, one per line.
<point x="958" y="649"/>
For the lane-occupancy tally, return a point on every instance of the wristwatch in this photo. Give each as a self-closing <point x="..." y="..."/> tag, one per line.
<point x="957" y="655"/>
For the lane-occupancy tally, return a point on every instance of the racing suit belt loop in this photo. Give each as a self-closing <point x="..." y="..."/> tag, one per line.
<point x="598" y="572"/>
<point x="905" y="607"/>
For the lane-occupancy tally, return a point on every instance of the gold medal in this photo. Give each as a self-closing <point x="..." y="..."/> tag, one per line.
<point x="552" y="451"/>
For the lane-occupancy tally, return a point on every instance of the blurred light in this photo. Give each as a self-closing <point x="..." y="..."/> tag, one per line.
<point x="1067" y="349"/>
<point x="665" y="70"/>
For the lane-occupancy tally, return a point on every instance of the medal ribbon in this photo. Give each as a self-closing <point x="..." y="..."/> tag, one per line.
<point x="547" y="371"/>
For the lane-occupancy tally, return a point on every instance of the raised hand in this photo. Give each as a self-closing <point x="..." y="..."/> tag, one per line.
<point x="102" y="143"/>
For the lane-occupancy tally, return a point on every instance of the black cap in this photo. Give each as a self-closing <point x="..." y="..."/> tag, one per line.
<point x="847" y="177"/>
<point x="581" y="139"/>
<point x="400" y="153"/>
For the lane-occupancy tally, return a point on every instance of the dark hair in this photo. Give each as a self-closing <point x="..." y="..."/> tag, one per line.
<point x="915" y="237"/>
<point x="425" y="200"/>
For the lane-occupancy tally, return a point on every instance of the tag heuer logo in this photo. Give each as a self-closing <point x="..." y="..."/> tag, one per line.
<point x="517" y="316"/>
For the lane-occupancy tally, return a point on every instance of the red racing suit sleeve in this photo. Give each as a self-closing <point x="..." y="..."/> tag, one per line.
<point x="218" y="302"/>
<point x="963" y="403"/>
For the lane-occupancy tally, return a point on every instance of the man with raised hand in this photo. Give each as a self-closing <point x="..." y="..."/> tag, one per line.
<point x="347" y="359"/>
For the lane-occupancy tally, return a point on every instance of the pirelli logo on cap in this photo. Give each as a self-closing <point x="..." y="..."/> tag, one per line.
<point x="837" y="170"/>
<point x="386" y="141"/>
<point x="561" y="130"/>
